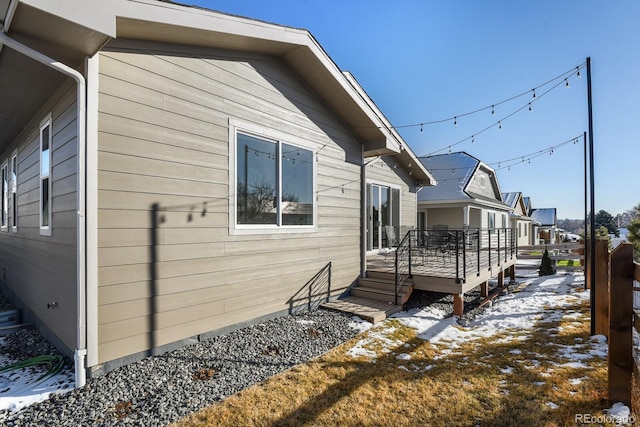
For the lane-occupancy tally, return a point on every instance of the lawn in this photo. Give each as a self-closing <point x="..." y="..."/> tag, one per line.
<point x="528" y="361"/>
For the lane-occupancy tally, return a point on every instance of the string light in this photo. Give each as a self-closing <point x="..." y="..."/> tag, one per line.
<point x="578" y="73"/>
<point x="530" y="109"/>
<point x="499" y="122"/>
<point x="473" y="139"/>
<point x="566" y="83"/>
<point x="492" y="107"/>
<point x="493" y="111"/>
<point x="455" y="121"/>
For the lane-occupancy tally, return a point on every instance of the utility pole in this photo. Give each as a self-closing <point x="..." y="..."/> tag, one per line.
<point x="592" y="254"/>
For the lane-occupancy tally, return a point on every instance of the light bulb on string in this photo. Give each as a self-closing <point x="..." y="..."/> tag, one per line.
<point x="449" y="149"/>
<point x="421" y="127"/>
<point x="473" y="139"/>
<point x="499" y="124"/>
<point x="493" y="110"/>
<point x="530" y="109"/>
<point x="578" y="73"/>
<point x="453" y="171"/>
<point x="534" y="93"/>
<point x="566" y="83"/>
<point x="455" y="121"/>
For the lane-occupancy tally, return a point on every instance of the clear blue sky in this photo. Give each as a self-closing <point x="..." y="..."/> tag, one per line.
<point x="422" y="61"/>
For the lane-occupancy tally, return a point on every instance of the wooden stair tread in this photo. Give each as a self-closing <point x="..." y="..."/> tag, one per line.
<point x="367" y="309"/>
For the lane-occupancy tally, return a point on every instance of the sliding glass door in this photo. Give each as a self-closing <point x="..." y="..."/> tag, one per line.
<point x="383" y="208"/>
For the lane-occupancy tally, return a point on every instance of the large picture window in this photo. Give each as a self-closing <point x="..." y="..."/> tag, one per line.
<point x="274" y="183"/>
<point x="45" y="176"/>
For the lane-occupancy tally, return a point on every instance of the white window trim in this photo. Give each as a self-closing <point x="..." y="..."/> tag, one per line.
<point x="5" y="196"/>
<point x="248" y="128"/>
<point x="45" y="230"/>
<point x="14" y="191"/>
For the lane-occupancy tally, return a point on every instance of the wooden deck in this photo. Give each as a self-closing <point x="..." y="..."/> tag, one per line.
<point x="440" y="274"/>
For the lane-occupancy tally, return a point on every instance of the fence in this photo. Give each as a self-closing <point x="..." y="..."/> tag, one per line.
<point x="616" y="317"/>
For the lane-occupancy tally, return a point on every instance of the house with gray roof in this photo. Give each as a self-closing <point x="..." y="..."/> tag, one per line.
<point x="467" y="195"/>
<point x="548" y="232"/>
<point x="519" y="219"/>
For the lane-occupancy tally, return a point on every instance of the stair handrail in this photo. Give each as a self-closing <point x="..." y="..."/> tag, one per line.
<point x="402" y="267"/>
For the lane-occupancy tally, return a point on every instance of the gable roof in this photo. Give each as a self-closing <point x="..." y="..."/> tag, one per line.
<point x="69" y="31"/>
<point x="512" y="198"/>
<point x="406" y="157"/>
<point x="545" y="216"/>
<point x="515" y="200"/>
<point x="454" y="173"/>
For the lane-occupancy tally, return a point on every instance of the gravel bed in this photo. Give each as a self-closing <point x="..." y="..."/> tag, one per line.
<point x="162" y="389"/>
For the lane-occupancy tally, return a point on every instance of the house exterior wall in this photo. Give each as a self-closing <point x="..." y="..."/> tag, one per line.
<point x="39" y="271"/>
<point x="384" y="173"/>
<point x="522" y="232"/>
<point x="481" y="184"/>
<point x="164" y="114"/>
<point x="453" y="217"/>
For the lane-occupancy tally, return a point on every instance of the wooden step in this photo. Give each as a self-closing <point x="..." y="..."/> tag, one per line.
<point x="385" y="295"/>
<point x="381" y="275"/>
<point x="367" y="309"/>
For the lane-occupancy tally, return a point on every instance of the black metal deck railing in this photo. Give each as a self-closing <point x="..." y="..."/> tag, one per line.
<point x="456" y="254"/>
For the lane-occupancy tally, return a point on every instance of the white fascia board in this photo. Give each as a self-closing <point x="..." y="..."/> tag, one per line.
<point x="97" y="15"/>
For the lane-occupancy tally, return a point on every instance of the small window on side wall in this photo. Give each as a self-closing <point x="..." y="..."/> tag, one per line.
<point x="45" y="176"/>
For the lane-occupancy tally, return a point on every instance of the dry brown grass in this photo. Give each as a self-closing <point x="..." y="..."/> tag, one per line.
<point x="511" y="379"/>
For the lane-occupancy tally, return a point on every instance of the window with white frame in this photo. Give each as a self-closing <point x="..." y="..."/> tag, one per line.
<point x="274" y="183"/>
<point x="4" y="222"/>
<point x="491" y="220"/>
<point x="45" y="176"/>
<point x="14" y="191"/>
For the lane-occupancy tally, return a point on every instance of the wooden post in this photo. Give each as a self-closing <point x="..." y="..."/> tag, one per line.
<point x="484" y="289"/>
<point x="501" y="279"/>
<point x="620" y="336"/>
<point x="512" y="273"/>
<point x="602" y="287"/>
<point x="587" y="265"/>
<point x="458" y="304"/>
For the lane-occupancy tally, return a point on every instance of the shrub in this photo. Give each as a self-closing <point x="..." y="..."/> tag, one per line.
<point x="546" y="266"/>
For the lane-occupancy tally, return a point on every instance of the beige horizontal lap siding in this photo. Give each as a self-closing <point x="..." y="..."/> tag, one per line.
<point x="40" y="270"/>
<point x="163" y="139"/>
<point x="388" y="171"/>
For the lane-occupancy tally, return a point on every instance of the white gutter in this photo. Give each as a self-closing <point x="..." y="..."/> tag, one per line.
<point x="81" y="324"/>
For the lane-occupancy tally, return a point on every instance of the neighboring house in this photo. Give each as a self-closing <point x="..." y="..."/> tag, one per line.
<point x="175" y="173"/>
<point x="467" y="195"/>
<point x="463" y="224"/>
<point x="519" y="218"/>
<point x="548" y="232"/>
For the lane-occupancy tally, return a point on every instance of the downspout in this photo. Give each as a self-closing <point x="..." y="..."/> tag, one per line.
<point x="363" y="216"/>
<point x="81" y="323"/>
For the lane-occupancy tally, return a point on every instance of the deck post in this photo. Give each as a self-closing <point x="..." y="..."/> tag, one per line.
<point x="601" y="288"/>
<point x="512" y="273"/>
<point x="458" y="304"/>
<point x="484" y="289"/>
<point x="501" y="279"/>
